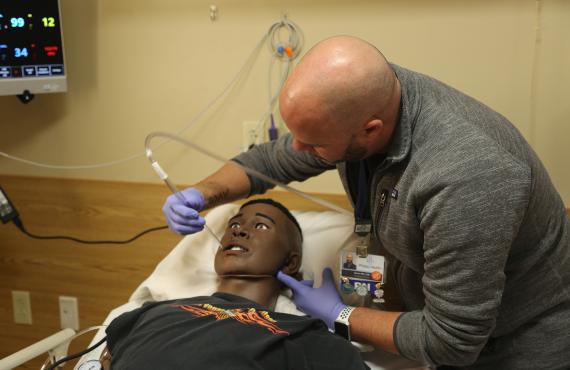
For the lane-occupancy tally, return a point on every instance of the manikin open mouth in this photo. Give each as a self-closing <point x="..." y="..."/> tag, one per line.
<point x="235" y="247"/>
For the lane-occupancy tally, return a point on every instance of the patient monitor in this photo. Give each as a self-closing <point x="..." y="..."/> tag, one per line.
<point x="31" y="48"/>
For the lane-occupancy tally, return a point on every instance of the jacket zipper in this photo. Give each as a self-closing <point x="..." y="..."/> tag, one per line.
<point x="379" y="212"/>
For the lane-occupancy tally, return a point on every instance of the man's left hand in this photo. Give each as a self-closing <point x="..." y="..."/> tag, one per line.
<point x="323" y="302"/>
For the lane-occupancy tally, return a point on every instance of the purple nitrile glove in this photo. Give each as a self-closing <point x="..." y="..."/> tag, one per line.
<point x="183" y="218"/>
<point x="323" y="302"/>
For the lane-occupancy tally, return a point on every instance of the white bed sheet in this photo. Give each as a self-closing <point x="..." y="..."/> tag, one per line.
<point x="188" y="270"/>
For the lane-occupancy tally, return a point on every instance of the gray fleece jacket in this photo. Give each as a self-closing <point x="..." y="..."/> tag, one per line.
<point x="479" y="235"/>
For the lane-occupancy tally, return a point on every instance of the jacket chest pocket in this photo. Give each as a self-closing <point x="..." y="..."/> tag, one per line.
<point x="394" y="220"/>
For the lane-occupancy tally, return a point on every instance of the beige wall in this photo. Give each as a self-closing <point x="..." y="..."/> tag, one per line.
<point x="140" y="66"/>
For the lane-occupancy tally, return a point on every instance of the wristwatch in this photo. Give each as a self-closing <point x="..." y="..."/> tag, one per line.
<point x="341" y="324"/>
<point x="90" y="365"/>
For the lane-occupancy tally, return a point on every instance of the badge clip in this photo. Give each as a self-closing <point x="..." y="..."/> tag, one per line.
<point x="362" y="246"/>
<point x="363" y="229"/>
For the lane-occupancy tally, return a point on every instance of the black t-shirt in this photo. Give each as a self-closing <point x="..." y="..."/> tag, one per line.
<point x="224" y="331"/>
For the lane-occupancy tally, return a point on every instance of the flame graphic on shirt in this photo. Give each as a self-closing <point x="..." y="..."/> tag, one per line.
<point x="248" y="316"/>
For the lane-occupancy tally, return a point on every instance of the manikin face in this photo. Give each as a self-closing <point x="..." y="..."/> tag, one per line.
<point x="259" y="240"/>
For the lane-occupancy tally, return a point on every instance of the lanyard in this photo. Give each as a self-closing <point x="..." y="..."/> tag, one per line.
<point x="362" y="213"/>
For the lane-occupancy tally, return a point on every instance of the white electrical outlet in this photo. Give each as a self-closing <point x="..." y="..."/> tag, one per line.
<point x="22" y="307"/>
<point x="68" y="312"/>
<point x="250" y="135"/>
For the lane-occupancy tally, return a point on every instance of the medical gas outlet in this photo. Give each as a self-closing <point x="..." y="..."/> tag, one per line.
<point x="251" y="135"/>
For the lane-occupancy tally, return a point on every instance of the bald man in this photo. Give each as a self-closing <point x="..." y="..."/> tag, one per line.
<point x="476" y="234"/>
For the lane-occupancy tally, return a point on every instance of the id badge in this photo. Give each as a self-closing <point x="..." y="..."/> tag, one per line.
<point x="363" y="276"/>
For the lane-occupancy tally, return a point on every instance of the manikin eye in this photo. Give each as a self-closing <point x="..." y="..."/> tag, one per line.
<point x="261" y="226"/>
<point x="234" y="225"/>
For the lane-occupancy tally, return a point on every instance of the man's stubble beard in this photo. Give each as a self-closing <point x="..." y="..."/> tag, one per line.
<point x="353" y="153"/>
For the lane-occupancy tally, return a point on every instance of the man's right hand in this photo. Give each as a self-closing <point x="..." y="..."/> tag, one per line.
<point x="183" y="217"/>
<point x="323" y="302"/>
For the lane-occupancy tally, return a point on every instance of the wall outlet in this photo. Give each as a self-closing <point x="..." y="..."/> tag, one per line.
<point x="68" y="312"/>
<point x="22" y="307"/>
<point x="250" y="135"/>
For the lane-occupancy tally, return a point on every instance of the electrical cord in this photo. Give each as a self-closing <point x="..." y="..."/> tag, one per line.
<point x="76" y="355"/>
<point x="20" y="226"/>
<point x="9" y="213"/>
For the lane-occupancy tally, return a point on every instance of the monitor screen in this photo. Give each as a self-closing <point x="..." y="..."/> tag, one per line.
<point x="31" y="47"/>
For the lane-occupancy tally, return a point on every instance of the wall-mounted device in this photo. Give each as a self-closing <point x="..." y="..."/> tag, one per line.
<point x="31" y="48"/>
<point x="7" y="210"/>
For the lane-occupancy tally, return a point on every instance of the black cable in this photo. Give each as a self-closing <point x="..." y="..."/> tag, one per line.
<point x="75" y="355"/>
<point x="20" y="226"/>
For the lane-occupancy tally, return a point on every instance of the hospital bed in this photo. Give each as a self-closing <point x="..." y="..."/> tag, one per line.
<point x="188" y="270"/>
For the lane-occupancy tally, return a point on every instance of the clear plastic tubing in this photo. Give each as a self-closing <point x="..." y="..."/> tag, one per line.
<point x="164" y="176"/>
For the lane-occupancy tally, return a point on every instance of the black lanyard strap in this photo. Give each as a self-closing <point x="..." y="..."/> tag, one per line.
<point x="362" y="214"/>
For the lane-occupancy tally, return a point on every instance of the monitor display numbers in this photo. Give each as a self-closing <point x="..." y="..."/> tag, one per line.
<point x="17" y="22"/>
<point x="21" y="53"/>
<point x="30" y="39"/>
<point x="48" y="21"/>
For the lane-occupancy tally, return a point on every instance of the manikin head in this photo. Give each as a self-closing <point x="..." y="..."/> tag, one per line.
<point x="261" y="239"/>
<point x="342" y="101"/>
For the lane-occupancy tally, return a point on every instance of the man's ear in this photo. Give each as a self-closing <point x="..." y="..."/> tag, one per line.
<point x="373" y="127"/>
<point x="292" y="264"/>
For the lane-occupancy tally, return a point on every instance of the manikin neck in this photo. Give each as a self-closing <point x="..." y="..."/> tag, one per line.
<point x="262" y="290"/>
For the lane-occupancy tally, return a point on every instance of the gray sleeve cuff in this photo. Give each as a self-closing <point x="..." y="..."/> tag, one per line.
<point x="419" y="337"/>
<point x="407" y="336"/>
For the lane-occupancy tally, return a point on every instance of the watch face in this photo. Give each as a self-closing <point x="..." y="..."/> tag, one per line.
<point x="90" y="365"/>
<point x="342" y="330"/>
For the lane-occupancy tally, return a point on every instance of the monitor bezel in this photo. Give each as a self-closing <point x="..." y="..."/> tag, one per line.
<point x="39" y="85"/>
